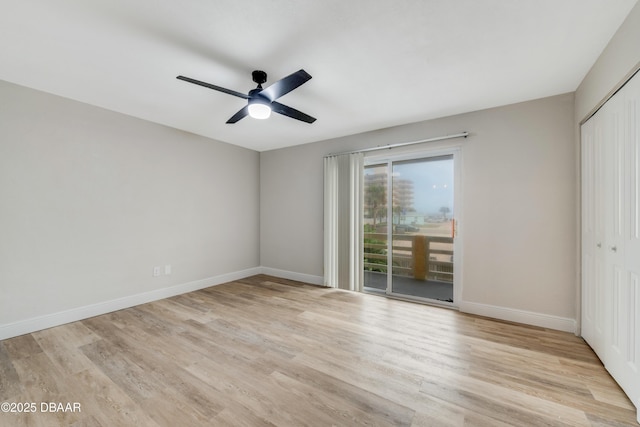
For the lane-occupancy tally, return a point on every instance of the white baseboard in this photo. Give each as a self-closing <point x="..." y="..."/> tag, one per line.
<point x="496" y="312"/>
<point x="520" y="316"/>
<point x="292" y="275"/>
<point x="50" y="320"/>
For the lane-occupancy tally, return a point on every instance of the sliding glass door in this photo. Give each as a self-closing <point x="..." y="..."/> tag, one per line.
<point x="410" y="227"/>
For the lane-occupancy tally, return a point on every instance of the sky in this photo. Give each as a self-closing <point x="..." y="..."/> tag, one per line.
<point x="432" y="183"/>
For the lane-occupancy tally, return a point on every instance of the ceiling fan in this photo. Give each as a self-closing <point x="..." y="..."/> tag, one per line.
<point x="261" y="102"/>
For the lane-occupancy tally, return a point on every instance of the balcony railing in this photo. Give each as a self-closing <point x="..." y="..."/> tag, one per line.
<point x="417" y="256"/>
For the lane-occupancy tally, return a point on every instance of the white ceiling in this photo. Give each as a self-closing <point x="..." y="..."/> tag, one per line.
<point x="375" y="63"/>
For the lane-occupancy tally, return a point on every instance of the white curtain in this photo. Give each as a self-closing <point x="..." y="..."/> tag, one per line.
<point x="343" y="181"/>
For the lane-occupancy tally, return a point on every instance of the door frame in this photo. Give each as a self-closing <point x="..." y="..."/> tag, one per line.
<point x="444" y="149"/>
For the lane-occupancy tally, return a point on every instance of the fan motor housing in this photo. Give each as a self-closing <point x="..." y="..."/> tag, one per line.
<point x="259" y="76"/>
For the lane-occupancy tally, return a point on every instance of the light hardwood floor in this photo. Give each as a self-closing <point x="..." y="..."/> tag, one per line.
<point x="267" y="351"/>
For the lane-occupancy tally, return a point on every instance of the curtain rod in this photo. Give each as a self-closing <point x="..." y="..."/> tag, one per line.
<point x="402" y="144"/>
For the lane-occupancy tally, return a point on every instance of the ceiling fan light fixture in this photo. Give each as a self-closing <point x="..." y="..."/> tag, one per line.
<point x="262" y="101"/>
<point x="259" y="109"/>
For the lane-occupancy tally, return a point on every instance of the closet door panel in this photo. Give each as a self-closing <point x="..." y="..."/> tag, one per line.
<point x="593" y="319"/>
<point x="611" y="236"/>
<point x="601" y="300"/>
<point x="615" y="308"/>
<point x="630" y="381"/>
<point x="588" y="238"/>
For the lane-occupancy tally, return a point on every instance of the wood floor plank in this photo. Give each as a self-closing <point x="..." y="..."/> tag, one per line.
<point x="327" y="409"/>
<point x="109" y="405"/>
<point x="251" y="393"/>
<point x="263" y="351"/>
<point x="41" y="380"/>
<point x="10" y="384"/>
<point x="62" y="350"/>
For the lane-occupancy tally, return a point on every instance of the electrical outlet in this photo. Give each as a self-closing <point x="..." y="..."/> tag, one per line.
<point x="167" y="270"/>
<point x="156" y="271"/>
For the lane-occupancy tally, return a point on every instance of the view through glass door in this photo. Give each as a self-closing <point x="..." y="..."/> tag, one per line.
<point x="409" y="231"/>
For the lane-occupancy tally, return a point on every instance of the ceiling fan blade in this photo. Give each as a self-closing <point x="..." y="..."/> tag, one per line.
<point x="239" y="115"/>
<point x="286" y="85"/>
<point x="214" y="87"/>
<point x="291" y="112"/>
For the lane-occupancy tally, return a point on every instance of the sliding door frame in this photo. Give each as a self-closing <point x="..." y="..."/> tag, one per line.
<point x="387" y="158"/>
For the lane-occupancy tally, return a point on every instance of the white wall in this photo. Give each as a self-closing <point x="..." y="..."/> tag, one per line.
<point x="92" y="200"/>
<point x="519" y="183"/>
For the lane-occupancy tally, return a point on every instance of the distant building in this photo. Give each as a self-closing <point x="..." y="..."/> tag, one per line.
<point x="402" y="195"/>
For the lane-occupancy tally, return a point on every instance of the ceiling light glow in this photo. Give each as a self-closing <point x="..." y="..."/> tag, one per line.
<point x="258" y="110"/>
